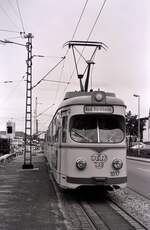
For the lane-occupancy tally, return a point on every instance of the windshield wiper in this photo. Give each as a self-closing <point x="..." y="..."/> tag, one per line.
<point x="81" y="135"/>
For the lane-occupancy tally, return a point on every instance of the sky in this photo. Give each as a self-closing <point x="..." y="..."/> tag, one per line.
<point x="123" y="68"/>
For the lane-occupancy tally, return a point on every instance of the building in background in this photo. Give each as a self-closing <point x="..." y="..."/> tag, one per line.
<point x="10" y="130"/>
<point x="4" y="145"/>
<point x="146" y="133"/>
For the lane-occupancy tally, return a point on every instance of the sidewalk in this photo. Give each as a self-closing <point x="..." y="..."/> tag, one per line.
<point x="27" y="197"/>
<point x="138" y="159"/>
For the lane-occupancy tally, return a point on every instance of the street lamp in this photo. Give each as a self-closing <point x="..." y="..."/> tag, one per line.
<point x="139" y="136"/>
<point x="36" y="116"/>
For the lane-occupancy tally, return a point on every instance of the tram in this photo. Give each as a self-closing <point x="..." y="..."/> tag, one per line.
<point x="85" y="143"/>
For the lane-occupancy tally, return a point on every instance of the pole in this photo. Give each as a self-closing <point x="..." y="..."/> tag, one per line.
<point x="28" y="112"/>
<point x="88" y="75"/>
<point x="149" y="126"/>
<point x="139" y="135"/>
<point x="36" y="120"/>
<point x="35" y="117"/>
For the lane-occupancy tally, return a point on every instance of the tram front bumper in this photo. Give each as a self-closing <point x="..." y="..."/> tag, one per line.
<point x="97" y="180"/>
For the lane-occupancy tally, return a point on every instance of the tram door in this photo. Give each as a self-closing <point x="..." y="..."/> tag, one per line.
<point x="62" y="139"/>
<point x="57" y="146"/>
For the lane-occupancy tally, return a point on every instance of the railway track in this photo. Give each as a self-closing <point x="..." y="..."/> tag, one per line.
<point x="142" y="195"/>
<point x="107" y="215"/>
<point x="93" y="210"/>
<point x="135" y="222"/>
<point x="135" y="204"/>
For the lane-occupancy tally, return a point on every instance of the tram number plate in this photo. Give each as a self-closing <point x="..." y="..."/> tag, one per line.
<point x="114" y="173"/>
<point x="99" y="164"/>
<point x="99" y="160"/>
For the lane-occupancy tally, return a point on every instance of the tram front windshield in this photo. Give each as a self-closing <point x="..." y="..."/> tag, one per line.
<point x="97" y="129"/>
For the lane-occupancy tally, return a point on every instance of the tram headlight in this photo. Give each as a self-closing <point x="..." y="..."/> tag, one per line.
<point x="117" y="163"/>
<point x="81" y="163"/>
<point x="98" y="96"/>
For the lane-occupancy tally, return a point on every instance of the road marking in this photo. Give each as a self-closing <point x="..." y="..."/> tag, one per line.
<point x="145" y="170"/>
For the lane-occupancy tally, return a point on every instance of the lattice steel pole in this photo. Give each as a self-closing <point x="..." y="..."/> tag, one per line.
<point x="28" y="112"/>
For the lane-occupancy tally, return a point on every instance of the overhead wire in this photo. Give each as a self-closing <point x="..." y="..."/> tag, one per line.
<point x="74" y="33"/>
<point x="79" y="20"/>
<point x="96" y="20"/>
<point x="43" y="79"/>
<point x="12" y="21"/>
<point x="59" y="81"/>
<point x="21" y="19"/>
<point x="45" y="110"/>
<point x="47" y="73"/>
<point x="76" y="28"/>
<point x="10" y="31"/>
<point x="13" y="31"/>
<point x="14" y="89"/>
<point x="60" y="77"/>
<point x="15" y="12"/>
<point x="91" y="31"/>
<point x="11" y="38"/>
<point x="13" y="8"/>
<point x="4" y="11"/>
<point x="104" y="2"/>
<point x="17" y="32"/>
<point x="62" y="69"/>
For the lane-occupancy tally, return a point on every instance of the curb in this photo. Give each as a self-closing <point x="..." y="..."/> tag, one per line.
<point x="138" y="159"/>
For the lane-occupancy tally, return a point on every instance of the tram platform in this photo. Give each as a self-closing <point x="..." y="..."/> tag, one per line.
<point x="27" y="198"/>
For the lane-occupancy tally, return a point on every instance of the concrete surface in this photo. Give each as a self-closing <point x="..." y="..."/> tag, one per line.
<point x="27" y="197"/>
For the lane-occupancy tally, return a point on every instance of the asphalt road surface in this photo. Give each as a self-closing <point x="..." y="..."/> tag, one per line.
<point x="139" y="176"/>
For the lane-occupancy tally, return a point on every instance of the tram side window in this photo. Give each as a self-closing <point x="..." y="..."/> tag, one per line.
<point x="64" y="128"/>
<point x="47" y="137"/>
<point x="55" y="129"/>
<point x="57" y="134"/>
<point x="50" y="133"/>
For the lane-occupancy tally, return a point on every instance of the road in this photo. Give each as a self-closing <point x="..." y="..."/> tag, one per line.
<point x="139" y="176"/>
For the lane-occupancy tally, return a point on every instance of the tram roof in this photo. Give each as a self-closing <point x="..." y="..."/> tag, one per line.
<point x="86" y="98"/>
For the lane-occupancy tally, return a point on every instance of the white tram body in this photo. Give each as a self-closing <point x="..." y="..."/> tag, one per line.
<point x="85" y="143"/>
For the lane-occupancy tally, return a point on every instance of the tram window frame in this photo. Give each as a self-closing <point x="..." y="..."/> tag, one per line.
<point x="81" y="137"/>
<point x="64" y="128"/>
<point x="49" y="134"/>
<point x="48" y="137"/>
<point x="55" y="128"/>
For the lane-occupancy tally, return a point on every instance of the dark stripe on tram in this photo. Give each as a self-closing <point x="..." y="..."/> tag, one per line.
<point x="96" y="180"/>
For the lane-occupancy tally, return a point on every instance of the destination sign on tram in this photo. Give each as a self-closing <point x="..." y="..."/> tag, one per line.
<point x="98" y="109"/>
